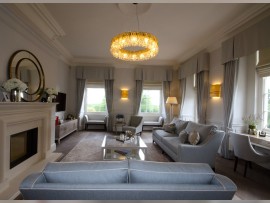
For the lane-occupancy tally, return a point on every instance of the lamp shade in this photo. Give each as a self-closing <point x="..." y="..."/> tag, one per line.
<point x="215" y="90"/>
<point x="124" y="94"/>
<point x="171" y="100"/>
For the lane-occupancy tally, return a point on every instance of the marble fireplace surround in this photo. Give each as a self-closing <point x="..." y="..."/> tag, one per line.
<point x="16" y="117"/>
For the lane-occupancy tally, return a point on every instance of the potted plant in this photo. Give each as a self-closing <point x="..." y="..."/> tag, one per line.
<point x="252" y="121"/>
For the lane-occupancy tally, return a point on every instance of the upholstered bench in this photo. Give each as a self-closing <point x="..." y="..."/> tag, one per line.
<point x="95" y="120"/>
<point x="150" y="122"/>
<point x="127" y="180"/>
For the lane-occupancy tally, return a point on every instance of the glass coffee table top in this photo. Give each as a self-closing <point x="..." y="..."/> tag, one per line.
<point x="112" y="149"/>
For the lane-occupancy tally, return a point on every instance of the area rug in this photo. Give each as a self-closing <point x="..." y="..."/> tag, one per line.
<point x="89" y="149"/>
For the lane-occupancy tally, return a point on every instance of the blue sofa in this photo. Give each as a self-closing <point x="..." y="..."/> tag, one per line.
<point x="176" y="145"/>
<point x="126" y="180"/>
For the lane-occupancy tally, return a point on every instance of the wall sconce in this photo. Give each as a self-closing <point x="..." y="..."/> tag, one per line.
<point x="124" y="94"/>
<point x="215" y="90"/>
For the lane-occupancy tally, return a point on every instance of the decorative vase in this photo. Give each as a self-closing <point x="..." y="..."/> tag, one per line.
<point x="49" y="99"/>
<point x="252" y="130"/>
<point x="15" y="95"/>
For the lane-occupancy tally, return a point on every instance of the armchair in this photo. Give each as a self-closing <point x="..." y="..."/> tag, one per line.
<point x="244" y="150"/>
<point x="135" y="125"/>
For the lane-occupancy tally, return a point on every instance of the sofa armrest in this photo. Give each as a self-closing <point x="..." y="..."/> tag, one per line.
<point x="160" y="120"/>
<point x="85" y="118"/>
<point x="32" y="179"/>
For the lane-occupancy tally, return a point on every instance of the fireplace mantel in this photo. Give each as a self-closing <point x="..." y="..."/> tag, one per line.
<point x="18" y="116"/>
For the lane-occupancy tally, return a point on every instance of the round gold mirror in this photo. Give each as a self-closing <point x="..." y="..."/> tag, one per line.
<point x="25" y="66"/>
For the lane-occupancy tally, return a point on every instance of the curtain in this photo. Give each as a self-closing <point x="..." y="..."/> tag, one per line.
<point x="80" y="94"/>
<point x="138" y="96"/>
<point x="109" y="102"/>
<point x="166" y="94"/>
<point x="202" y="95"/>
<point x="229" y="88"/>
<point x="182" y="88"/>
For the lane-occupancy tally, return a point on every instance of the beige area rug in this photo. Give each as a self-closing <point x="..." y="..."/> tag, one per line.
<point x="89" y="149"/>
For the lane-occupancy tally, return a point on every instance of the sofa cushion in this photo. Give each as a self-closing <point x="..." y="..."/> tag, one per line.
<point x="183" y="136"/>
<point x="171" y="142"/>
<point x="160" y="133"/>
<point x="99" y="172"/>
<point x="194" y="137"/>
<point x="202" y="129"/>
<point x="170" y="128"/>
<point x="179" y="124"/>
<point x="170" y="173"/>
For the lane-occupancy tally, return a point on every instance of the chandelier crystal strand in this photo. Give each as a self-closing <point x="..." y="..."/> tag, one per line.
<point x="145" y="43"/>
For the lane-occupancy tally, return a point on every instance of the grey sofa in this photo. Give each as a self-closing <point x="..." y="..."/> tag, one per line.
<point x="176" y="146"/>
<point x="126" y="180"/>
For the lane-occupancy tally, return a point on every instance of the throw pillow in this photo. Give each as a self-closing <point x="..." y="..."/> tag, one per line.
<point x="194" y="137"/>
<point x="170" y="128"/>
<point x="183" y="135"/>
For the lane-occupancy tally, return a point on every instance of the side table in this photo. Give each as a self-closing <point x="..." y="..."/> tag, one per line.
<point x="118" y="125"/>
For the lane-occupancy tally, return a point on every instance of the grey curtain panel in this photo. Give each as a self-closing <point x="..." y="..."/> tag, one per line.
<point x="138" y="96"/>
<point x="202" y="95"/>
<point x="229" y="88"/>
<point x="182" y="89"/>
<point x="166" y="94"/>
<point x="80" y="94"/>
<point x="109" y="102"/>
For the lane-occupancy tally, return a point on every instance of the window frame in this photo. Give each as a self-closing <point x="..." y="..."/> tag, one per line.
<point x="264" y="108"/>
<point x="94" y="85"/>
<point x="156" y="86"/>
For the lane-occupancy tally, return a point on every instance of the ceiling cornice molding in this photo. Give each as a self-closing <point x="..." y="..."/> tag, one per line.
<point x="251" y="16"/>
<point x="44" y="29"/>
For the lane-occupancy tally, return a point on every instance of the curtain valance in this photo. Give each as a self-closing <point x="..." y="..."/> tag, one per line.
<point x="95" y="73"/>
<point x="154" y="73"/>
<point x="248" y="41"/>
<point x="195" y="64"/>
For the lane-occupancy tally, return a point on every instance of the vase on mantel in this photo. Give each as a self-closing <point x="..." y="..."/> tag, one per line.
<point x="15" y="95"/>
<point x="49" y="99"/>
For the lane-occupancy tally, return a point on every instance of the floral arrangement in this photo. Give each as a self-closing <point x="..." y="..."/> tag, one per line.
<point x="252" y="119"/>
<point x="14" y="83"/>
<point x="51" y="91"/>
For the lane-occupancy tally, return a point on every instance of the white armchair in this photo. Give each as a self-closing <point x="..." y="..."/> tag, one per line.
<point x="244" y="150"/>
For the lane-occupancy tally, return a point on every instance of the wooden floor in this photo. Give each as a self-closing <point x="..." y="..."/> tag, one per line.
<point x="256" y="186"/>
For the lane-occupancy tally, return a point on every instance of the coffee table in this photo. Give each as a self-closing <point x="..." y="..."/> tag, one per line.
<point x="113" y="149"/>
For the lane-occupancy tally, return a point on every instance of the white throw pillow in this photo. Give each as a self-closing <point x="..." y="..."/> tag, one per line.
<point x="194" y="137"/>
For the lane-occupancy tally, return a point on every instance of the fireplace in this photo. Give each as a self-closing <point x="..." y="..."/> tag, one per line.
<point x="23" y="145"/>
<point x="27" y="142"/>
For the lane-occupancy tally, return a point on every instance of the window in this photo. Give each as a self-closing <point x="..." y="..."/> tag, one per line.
<point x="95" y="100"/>
<point x="266" y="102"/>
<point x="151" y="99"/>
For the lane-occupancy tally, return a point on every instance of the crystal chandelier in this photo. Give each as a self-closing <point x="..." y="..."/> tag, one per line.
<point x="134" y="46"/>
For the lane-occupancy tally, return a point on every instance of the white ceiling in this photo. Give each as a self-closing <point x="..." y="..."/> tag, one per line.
<point x="182" y="29"/>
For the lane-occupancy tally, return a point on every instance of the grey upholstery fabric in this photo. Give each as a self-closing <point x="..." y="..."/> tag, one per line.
<point x="135" y="124"/>
<point x="146" y="181"/>
<point x="244" y="150"/>
<point x="176" y="146"/>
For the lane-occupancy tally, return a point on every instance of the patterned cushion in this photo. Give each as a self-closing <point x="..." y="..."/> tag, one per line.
<point x="183" y="136"/>
<point x="202" y="129"/>
<point x="179" y="124"/>
<point x="170" y="128"/>
<point x="194" y="137"/>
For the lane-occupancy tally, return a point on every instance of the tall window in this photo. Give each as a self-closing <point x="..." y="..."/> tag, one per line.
<point x="151" y="99"/>
<point x="266" y="102"/>
<point x="95" y="100"/>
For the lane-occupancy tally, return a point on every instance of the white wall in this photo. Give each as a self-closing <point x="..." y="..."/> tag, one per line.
<point x="56" y="71"/>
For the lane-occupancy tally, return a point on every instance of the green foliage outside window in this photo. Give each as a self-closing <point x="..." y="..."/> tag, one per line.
<point x="98" y="107"/>
<point x="149" y="103"/>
